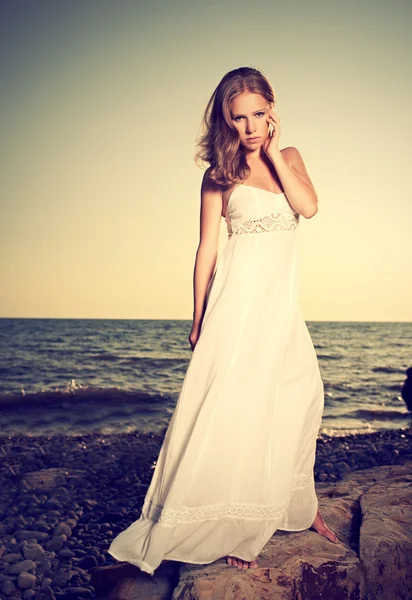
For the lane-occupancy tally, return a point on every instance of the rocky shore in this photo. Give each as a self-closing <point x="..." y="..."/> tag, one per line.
<point x="64" y="498"/>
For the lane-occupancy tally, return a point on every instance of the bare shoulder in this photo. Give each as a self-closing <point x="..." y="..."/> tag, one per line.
<point x="208" y="184"/>
<point x="210" y="211"/>
<point x="211" y="193"/>
<point x="291" y="154"/>
<point x="295" y="161"/>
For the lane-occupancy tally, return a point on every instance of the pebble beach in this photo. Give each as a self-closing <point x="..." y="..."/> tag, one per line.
<point x="64" y="498"/>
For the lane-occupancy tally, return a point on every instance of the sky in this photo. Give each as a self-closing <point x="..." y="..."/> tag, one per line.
<point x="100" y="108"/>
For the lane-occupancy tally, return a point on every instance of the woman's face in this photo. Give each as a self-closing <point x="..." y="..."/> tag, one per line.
<point x="249" y="113"/>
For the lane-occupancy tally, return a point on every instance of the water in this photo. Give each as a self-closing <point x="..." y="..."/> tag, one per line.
<point x="79" y="376"/>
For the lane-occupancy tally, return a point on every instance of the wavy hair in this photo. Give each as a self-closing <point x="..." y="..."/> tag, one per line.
<point x="219" y="142"/>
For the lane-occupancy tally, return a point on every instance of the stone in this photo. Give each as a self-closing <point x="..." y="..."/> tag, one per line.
<point x="126" y="582"/>
<point x="87" y="562"/>
<point x="54" y="544"/>
<point x="41" y="525"/>
<point x="63" y="528"/>
<point x="24" y="565"/>
<point x="43" y="566"/>
<point x="25" y="581"/>
<point x="7" y="587"/>
<point x="386" y="537"/>
<point x="369" y="510"/>
<point x="45" y="593"/>
<point x="94" y="552"/>
<point x="25" y="534"/>
<point x="11" y="558"/>
<point x="292" y="565"/>
<point x="34" y="552"/>
<point x="61" y="577"/>
<point x="66" y="553"/>
<point x="77" y="592"/>
<point x="112" y="517"/>
<point x="48" y="479"/>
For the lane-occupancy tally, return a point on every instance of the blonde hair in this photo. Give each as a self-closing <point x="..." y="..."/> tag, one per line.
<point x="219" y="143"/>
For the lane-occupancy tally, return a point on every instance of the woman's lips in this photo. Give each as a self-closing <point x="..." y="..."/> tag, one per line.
<point x="254" y="139"/>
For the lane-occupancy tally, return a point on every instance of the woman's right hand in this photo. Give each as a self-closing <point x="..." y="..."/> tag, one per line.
<point x="194" y="335"/>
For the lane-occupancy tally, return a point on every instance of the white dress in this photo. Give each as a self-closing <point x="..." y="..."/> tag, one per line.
<point x="237" y="459"/>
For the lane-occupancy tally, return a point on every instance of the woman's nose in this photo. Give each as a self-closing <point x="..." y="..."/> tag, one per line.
<point x="250" y="127"/>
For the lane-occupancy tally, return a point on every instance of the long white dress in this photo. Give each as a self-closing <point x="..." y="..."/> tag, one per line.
<point x="236" y="463"/>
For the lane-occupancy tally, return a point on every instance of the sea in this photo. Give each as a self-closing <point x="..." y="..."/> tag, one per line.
<point x="108" y="376"/>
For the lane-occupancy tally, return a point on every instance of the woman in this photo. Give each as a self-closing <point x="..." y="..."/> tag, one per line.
<point x="237" y="459"/>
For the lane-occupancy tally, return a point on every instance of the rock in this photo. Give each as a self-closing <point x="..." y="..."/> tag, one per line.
<point x="112" y="517"/>
<point x="292" y="565"/>
<point x="25" y="534"/>
<point x="371" y="513"/>
<point x="44" y="479"/>
<point x="12" y="557"/>
<point x="87" y="562"/>
<point x="43" y="566"/>
<point x="94" y="552"/>
<point x="54" y="544"/>
<point x="342" y="466"/>
<point x="24" y="565"/>
<point x="7" y="587"/>
<point x="34" y="552"/>
<point x="77" y="592"/>
<point x="66" y="553"/>
<point x="41" y="525"/>
<point x="386" y="536"/>
<point x="45" y="593"/>
<point x="71" y="523"/>
<point x="53" y="506"/>
<point x="61" y="577"/>
<point x="25" y="581"/>
<point x="63" y="528"/>
<point x="127" y="582"/>
<point x="48" y="479"/>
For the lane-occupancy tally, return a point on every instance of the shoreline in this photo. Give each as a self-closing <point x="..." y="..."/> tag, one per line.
<point x="21" y="454"/>
<point x="64" y="498"/>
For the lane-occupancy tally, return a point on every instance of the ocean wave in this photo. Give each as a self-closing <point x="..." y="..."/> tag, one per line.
<point x="388" y="369"/>
<point x="376" y="413"/>
<point x="75" y="393"/>
<point x="330" y="356"/>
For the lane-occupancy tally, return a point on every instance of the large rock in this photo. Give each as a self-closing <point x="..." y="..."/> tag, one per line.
<point x="386" y="535"/>
<point x="48" y="479"/>
<point x="123" y="581"/>
<point x="370" y="512"/>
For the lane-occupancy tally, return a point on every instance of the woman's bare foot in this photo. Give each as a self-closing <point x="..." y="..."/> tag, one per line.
<point x="240" y="563"/>
<point x="320" y="526"/>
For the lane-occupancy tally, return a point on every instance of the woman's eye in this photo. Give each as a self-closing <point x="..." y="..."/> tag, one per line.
<point x="260" y="113"/>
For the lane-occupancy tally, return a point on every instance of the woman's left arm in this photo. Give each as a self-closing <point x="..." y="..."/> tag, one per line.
<point x="295" y="180"/>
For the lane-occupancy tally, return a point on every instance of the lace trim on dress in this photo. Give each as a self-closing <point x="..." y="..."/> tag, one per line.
<point x="168" y="516"/>
<point x="300" y="481"/>
<point x="273" y="222"/>
<point x="205" y="513"/>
